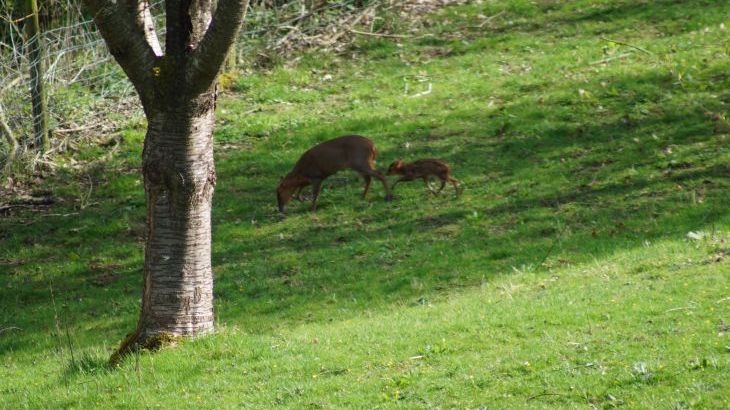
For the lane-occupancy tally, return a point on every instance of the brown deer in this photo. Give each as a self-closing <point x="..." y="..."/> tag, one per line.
<point x="319" y="162"/>
<point x="424" y="168"/>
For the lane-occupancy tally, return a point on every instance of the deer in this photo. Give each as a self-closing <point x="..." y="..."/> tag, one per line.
<point x="423" y="168"/>
<point x="327" y="158"/>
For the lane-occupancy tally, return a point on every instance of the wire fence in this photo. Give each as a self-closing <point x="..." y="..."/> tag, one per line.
<point x="83" y="84"/>
<point x="79" y="77"/>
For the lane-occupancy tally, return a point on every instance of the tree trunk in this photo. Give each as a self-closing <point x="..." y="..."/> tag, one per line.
<point x="179" y="178"/>
<point x="177" y="92"/>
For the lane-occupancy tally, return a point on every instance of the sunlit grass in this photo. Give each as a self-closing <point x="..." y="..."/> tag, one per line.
<point x="562" y="276"/>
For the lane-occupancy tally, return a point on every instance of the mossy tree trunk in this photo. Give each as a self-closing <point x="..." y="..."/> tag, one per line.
<point x="177" y="91"/>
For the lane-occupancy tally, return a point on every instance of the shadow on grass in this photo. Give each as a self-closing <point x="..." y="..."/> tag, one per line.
<point x="617" y="16"/>
<point x="87" y="364"/>
<point x="594" y="183"/>
<point x="535" y="174"/>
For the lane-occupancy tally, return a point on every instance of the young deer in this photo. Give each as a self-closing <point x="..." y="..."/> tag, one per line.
<point x="319" y="162"/>
<point x="424" y="168"/>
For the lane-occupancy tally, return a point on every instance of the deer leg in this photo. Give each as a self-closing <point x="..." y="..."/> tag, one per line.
<point x="428" y="185"/>
<point x="316" y="188"/>
<point x="367" y="179"/>
<point x="455" y="183"/>
<point x="443" y="183"/>
<point x="373" y="173"/>
<point x="298" y="194"/>
<point x="404" y="178"/>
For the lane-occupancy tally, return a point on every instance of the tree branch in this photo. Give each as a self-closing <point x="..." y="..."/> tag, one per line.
<point x="9" y="138"/>
<point x="126" y="33"/>
<point x="207" y="59"/>
<point x="143" y="20"/>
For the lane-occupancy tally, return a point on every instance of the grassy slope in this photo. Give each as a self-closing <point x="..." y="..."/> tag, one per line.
<point x="562" y="276"/>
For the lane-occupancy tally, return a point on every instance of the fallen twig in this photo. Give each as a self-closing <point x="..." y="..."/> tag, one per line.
<point x="488" y="19"/>
<point x="605" y="60"/>
<point x="680" y="308"/>
<point x="628" y="45"/>
<point x="365" y="33"/>
<point x="422" y="93"/>
<point x="347" y="27"/>
<point x="552" y="246"/>
<point x="253" y="110"/>
<point x="27" y="202"/>
<point x="292" y="30"/>
<point x="5" y="208"/>
<point x="9" y="328"/>
<point x="545" y="394"/>
<point x="64" y="215"/>
<point x="77" y="129"/>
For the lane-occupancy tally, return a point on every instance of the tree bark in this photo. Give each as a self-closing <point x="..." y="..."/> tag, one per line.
<point x="177" y="91"/>
<point x="179" y="180"/>
<point x="179" y="177"/>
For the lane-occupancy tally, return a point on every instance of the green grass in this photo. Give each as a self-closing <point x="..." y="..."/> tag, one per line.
<point x="564" y="275"/>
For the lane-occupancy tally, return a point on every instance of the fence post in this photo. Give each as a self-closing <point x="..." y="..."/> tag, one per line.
<point x="37" y="70"/>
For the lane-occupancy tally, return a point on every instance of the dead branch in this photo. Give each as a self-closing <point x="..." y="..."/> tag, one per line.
<point x="12" y="83"/>
<point x="347" y="27"/>
<point x="5" y="208"/>
<point x="63" y="215"/>
<point x="488" y="19"/>
<point x="9" y="138"/>
<point x="77" y="129"/>
<point x="365" y="33"/>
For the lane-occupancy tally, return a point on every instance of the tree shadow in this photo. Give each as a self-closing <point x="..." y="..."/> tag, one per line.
<point x="513" y="212"/>
<point x="86" y="364"/>
<point x="671" y="15"/>
<point x="306" y="268"/>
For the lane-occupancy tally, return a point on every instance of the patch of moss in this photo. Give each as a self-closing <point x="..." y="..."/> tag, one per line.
<point x="227" y="80"/>
<point x="159" y="341"/>
<point x="133" y="343"/>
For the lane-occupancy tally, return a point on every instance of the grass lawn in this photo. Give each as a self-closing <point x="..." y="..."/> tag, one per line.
<point x="586" y="263"/>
